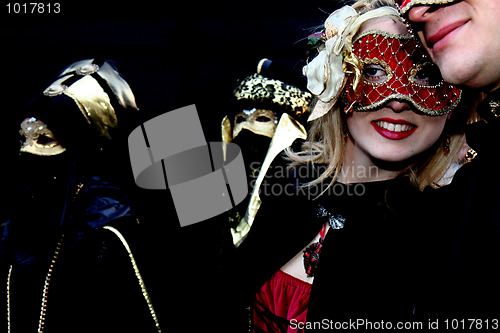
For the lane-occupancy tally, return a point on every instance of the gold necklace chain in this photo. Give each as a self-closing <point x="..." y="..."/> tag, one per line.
<point x="45" y="293"/>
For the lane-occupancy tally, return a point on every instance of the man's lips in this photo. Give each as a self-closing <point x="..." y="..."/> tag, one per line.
<point x="440" y="34"/>
<point x="394" y="129"/>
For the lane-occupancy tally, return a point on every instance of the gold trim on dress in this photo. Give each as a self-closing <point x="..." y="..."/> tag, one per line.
<point x="46" y="285"/>
<point x="9" y="277"/>
<point x="138" y="275"/>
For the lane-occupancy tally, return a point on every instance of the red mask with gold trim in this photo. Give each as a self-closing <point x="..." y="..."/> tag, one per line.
<point x="405" y="5"/>
<point x="396" y="67"/>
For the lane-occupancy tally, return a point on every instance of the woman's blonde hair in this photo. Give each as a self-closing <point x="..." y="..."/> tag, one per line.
<point x="327" y="136"/>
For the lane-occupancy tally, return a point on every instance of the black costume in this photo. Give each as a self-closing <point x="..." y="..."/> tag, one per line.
<point x="67" y="249"/>
<point x="470" y="207"/>
<point x="369" y="269"/>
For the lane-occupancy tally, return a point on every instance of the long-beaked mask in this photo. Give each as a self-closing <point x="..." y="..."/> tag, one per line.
<point x="396" y="67"/>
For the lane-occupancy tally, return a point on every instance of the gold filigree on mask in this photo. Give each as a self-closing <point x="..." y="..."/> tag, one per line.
<point x="259" y="88"/>
<point x="39" y="139"/>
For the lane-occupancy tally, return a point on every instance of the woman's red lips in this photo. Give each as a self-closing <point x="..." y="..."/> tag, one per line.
<point x="443" y="32"/>
<point x="394" y="129"/>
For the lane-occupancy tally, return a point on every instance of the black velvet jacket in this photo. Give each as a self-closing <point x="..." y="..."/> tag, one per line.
<point x="371" y="268"/>
<point x="471" y="204"/>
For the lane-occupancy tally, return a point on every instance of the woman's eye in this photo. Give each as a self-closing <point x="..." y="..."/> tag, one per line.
<point x="374" y="73"/>
<point x="428" y="75"/>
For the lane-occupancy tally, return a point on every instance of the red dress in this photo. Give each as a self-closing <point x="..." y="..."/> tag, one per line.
<point x="281" y="304"/>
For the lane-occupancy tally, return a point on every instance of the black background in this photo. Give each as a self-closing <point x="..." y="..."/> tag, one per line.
<point x="174" y="53"/>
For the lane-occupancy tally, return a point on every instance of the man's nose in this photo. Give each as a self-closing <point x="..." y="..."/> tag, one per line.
<point x="420" y="13"/>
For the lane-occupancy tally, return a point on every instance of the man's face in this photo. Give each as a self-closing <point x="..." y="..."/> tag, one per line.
<point x="463" y="39"/>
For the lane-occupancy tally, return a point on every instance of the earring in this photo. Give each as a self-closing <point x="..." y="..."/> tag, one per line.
<point x="446" y="144"/>
<point x="345" y="131"/>
<point x="471" y="154"/>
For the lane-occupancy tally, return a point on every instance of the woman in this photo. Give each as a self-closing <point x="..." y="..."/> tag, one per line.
<point x="382" y="131"/>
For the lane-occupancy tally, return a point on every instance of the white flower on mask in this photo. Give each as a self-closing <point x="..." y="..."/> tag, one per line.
<point x="322" y="80"/>
<point x="325" y="73"/>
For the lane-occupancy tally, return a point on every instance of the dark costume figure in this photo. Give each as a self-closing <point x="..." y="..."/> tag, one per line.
<point x="267" y="116"/>
<point x="65" y="256"/>
<point x="466" y="271"/>
<point x="465" y="282"/>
